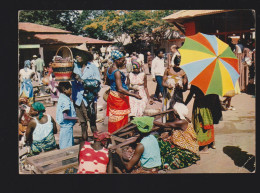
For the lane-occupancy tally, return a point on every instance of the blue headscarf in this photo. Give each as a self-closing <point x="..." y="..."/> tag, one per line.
<point x="115" y="55"/>
<point x="27" y="64"/>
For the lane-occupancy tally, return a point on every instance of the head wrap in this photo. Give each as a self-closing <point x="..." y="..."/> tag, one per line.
<point x="40" y="108"/>
<point x="144" y="124"/>
<point x="115" y="55"/>
<point x="177" y="60"/>
<point x="135" y="64"/>
<point x="27" y="64"/>
<point x="101" y="136"/>
<point x="181" y="109"/>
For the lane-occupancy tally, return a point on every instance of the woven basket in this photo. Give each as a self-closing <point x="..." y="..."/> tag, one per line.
<point x="63" y="70"/>
<point x="105" y="95"/>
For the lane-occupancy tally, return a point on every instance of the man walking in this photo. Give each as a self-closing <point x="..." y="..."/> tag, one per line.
<point x="157" y="71"/>
<point x="39" y="64"/>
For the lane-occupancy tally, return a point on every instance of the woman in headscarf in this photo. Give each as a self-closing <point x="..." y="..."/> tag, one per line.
<point x="174" y="81"/>
<point x="178" y="144"/>
<point x="40" y="131"/>
<point x="94" y="158"/>
<point x="146" y="157"/>
<point x="137" y="82"/>
<point x="118" y="106"/>
<point x="25" y="76"/>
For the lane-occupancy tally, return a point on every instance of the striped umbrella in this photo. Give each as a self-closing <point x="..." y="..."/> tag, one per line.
<point x="209" y="64"/>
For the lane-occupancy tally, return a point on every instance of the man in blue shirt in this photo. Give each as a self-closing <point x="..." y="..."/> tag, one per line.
<point x="85" y="89"/>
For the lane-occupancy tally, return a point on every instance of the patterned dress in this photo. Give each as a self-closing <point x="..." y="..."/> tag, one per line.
<point x="138" y="106"/>
<point x="202" y="118"/>
<point x="92" y="161"/>
<point x="118" y="106"/>
<point x="180" y="150"/>
<point x="26" y="87"/>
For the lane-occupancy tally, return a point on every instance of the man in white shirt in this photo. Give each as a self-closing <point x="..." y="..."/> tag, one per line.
<point x="157" y="73"/>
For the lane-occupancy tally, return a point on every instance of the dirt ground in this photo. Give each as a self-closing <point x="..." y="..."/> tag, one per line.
<point x="234" y="135"/>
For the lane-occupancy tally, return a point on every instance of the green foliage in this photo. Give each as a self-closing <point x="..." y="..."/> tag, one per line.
<point x="54" y="18"/>
<point x="139" y="24"/>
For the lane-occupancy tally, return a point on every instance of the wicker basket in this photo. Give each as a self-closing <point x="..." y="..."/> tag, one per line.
<point x="63" y="70"/>
<point x="105" y="95"/>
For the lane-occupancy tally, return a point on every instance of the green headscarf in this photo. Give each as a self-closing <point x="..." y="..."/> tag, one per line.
<point x="37" y="106"/>
<point x="144" y="124"/>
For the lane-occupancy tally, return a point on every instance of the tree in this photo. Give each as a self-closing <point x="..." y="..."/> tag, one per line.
<point x="140" y="25"/>
<point x="54" y="18"/>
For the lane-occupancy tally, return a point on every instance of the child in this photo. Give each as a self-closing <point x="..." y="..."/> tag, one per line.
<point x="53" y="89"/>
<point x="65" y="115"/>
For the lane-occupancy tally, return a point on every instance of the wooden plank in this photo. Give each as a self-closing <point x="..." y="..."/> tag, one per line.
<point x="60" y="170"/>
<point x="124" y="134"/>
<point x="127" y="129"/>
<point x="118" y="138"/>
<point x="59" y="166"/>
<point x="56" y="164"/>
<point x="35" y="169"/>
<point x="128" y="124"/>
<point x="56" y="160"/>
<point x="51" y="154"/>
<point x="126" y="142"/>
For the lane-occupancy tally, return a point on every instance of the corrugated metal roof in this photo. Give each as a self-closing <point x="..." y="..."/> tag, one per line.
<point x="36" y="28"/>
<point x="184" y="14"/>
<point x="69" y="39"/>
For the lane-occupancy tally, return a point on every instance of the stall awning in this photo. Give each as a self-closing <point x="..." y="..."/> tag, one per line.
<point x="185" y="14"/>
<point x="29" y="46"/>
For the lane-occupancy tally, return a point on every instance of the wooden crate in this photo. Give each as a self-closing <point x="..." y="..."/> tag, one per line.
<point x="56" y="161"/>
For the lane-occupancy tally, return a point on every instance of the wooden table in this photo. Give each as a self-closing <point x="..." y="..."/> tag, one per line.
<point x="55" y="161"/>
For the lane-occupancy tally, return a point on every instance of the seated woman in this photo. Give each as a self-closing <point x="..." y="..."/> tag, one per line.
<point x="23" y="115"/>
<point x="40" y="131"/>
<point x="94" y="158"/>
<point x="178" y="147"/>
<point x="146" y="157"/>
